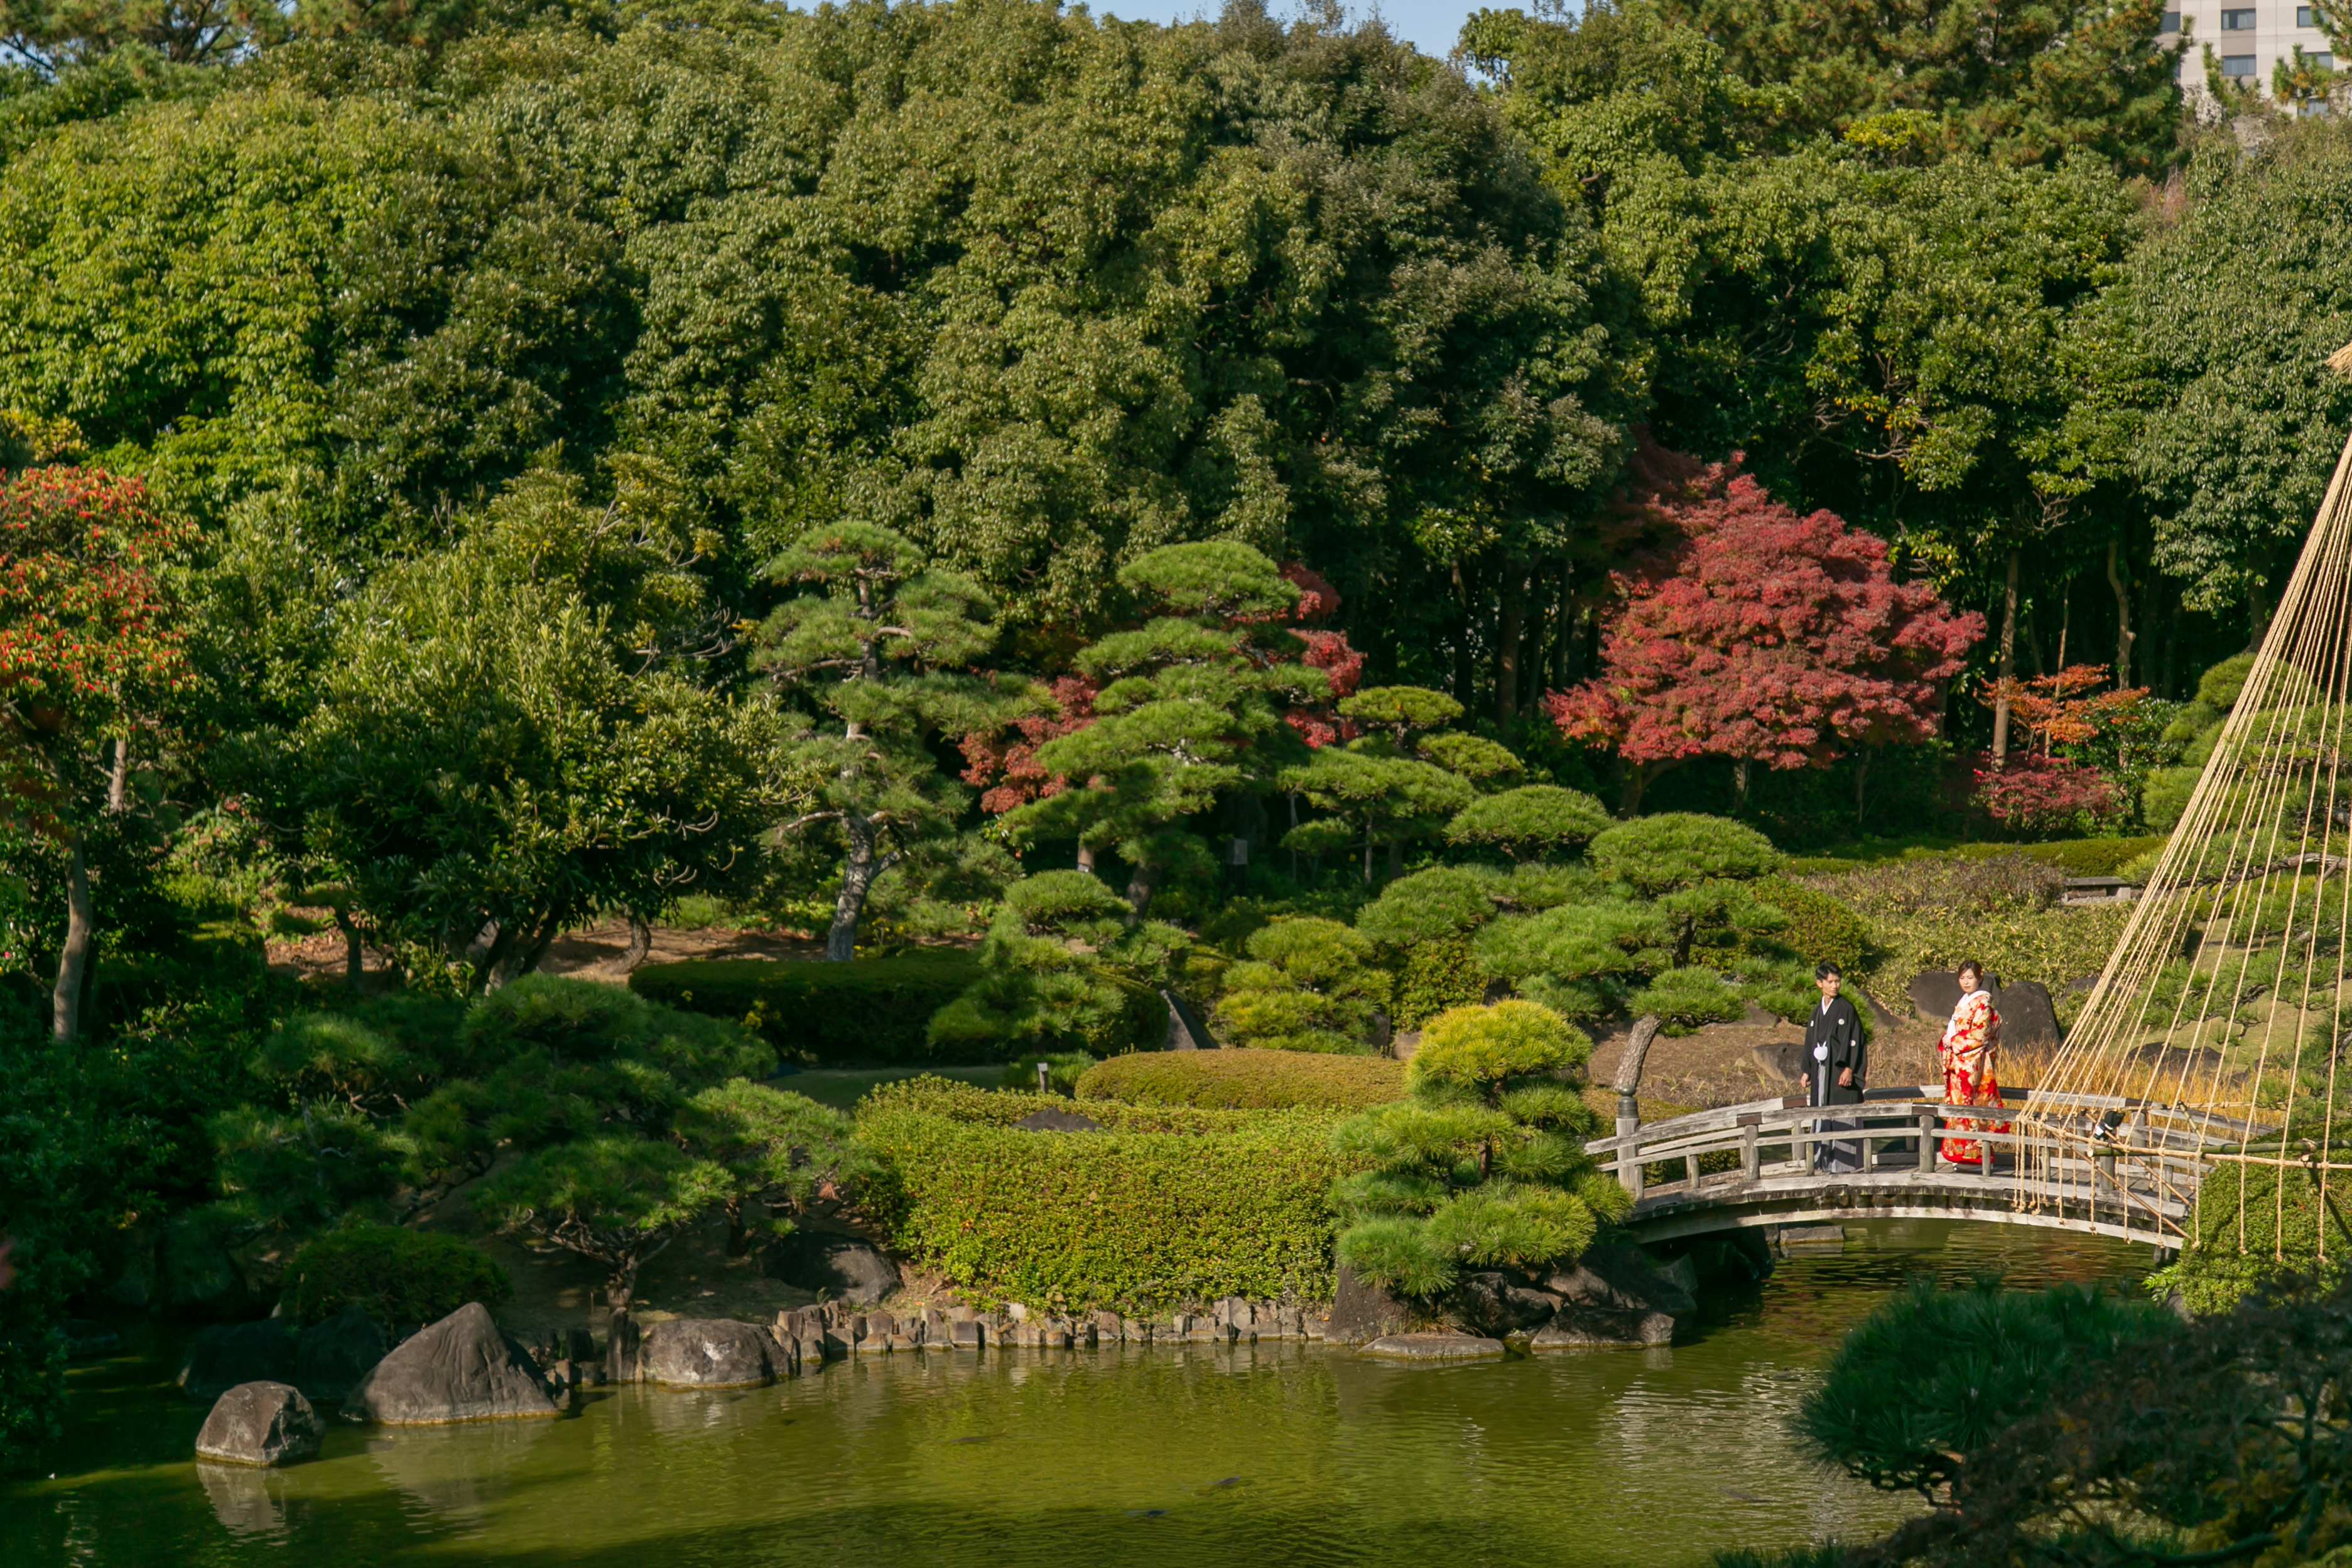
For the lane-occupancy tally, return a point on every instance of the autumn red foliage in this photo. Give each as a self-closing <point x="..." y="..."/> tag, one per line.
<point x="88" y="634"/>
<point x="1764" y="635"/>
<point x="1328" y="651"/>
<point x="2038" y="794"/>
<point x="1004" y="763"/>
<point x="2050" y="709"/>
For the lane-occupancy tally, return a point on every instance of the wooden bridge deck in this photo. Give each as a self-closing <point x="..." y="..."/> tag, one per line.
<point x="1752" y="1164"/>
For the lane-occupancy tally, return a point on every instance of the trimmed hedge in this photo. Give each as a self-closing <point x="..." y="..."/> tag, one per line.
<point x="400" y="1277"/>
<point x="868" y="1010"/>
<point x="1245" y="1080"/>
<point x="1165" y="1206"/>
<point x="2094" y="857"/>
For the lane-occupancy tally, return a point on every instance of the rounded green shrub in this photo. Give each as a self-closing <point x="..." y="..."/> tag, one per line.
<point x="1472" y="1047"/>
<point x="397" y="1276"/>
<point x="1245" y="1080"/>
<point x="1309" y="985"/>
<point x="1530" y="821"/>
<point x="1820" y="927"/>
<point x="1438" y="974"/>
<point x="2248" y="1234"/>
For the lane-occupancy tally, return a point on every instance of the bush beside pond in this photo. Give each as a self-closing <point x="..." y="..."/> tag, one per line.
<point x="397" y="1277"/>
<point x="1164" y="1205"/>
<point x="1245" y="1080"/>
<point x="821" y="1014"/>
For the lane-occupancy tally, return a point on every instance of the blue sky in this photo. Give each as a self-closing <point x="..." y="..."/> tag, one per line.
<point x="1431" y="26"/>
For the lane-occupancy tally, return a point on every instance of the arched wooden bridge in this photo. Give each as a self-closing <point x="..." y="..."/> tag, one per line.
<point x="1752" y="1164"/>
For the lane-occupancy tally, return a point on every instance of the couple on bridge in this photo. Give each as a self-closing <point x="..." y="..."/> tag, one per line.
<point x="1839" y="1057"/>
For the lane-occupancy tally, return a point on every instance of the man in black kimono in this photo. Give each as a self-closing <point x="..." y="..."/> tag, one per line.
<point x="1835" y="1060"/>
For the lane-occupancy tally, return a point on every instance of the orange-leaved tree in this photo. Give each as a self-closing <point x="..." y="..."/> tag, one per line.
<point x="91" y="653"/>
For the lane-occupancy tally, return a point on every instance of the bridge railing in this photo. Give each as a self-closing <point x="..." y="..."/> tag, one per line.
<point x="2133" y="1165"/>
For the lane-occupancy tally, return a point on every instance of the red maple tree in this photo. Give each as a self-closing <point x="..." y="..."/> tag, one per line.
<point x="1765" y="636"/>
<point x="91" y="646"/>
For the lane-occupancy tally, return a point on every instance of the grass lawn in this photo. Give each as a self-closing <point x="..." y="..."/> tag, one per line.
<point x="843" y="1087"/>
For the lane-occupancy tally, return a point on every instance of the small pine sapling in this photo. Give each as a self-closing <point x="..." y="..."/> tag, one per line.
<point x="1484" y="1165"/>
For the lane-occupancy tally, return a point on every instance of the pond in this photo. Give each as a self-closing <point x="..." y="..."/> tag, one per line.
<point x="1261" y="1455"/>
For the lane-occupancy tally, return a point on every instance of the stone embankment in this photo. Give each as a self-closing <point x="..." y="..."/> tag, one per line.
<point x="722" y="1352"/>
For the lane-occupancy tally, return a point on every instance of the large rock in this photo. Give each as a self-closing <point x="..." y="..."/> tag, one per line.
<point x="1434" y="1347"/>
<point x="1880" y="1018"/>
<point x="1934" y="992"/>
<point x="459" y="1369"/>
<point x="711" y="1352"/>
<point x="220" y="1358"/>
<point x="1937" y="992"/>
<point x="1781" y="1061"/>
<point x="1496" y="1304"/>
<point x="1602" y="1328"/>
<point x="333" y="1355"/>
<point x="1362" y="1311"/>
<point x="260" y="1424"/>
<point x="1617" y="1276"/>
<point x="2027" y="1018"/>
<point x="843" y="1267"/>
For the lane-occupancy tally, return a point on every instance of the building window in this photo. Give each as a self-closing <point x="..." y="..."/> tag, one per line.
<point x="2238" y="66"/>
<point x="2239" y="22"/>
<point x="2171" y="23"/>
<point x="2307" y="15"/>
<point x="2322" y="61"/>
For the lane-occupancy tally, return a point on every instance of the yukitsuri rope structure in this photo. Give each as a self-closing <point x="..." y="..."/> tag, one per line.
<point x="2208" y="1067"/>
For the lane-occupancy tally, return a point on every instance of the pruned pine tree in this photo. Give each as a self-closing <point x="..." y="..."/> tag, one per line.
<point x="1190" y="709"/>
<point x="882" y="653"/>
<point x="1484" y="1164"/>
<point x="1377" y="789"/>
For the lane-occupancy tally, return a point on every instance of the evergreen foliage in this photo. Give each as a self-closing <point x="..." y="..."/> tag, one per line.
<point x="1484" y="1164"/>
<point x="1309" y="985"/>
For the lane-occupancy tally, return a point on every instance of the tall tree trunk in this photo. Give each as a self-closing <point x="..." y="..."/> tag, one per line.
<point x="2123" y="634"/>
<point x="82" y="928"/>
<point x="2008" y="662"/>
<point x="1571" y="629"/>
<point x="117" y="780"/>
<point x="1142" y="881"/>
<point x="355" y="954"/>
<point x="1740" y="787"/>
<point x="1861" y="782"/>
<point x="1465" y="679"/>
<point x="2172" y="646"/>
<point x="641" y="941"/>
<point x="1637" y="779"/>
<point x="857" y="875"/>
<point x="1507" y="644"/>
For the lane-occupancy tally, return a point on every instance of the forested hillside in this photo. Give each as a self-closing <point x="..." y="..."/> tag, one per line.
<point x="476" y="471"/>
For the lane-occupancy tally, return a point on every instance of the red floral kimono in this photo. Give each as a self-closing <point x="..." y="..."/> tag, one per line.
<point x="1970" y="1043"/>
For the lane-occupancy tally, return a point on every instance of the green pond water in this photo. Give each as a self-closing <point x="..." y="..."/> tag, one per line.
<point x="1259" y="1455"/>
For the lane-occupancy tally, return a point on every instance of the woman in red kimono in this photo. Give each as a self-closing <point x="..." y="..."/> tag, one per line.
<point x="1970" y="1042"/>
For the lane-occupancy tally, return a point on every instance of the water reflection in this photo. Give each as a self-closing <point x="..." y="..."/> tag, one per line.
<point x="454" y="1475"/>
<point x="1266" y="1453"/>
<point x="249" y="1502"/>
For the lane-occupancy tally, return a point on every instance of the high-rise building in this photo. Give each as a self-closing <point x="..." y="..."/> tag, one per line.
<point x="2247" y="37"/>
